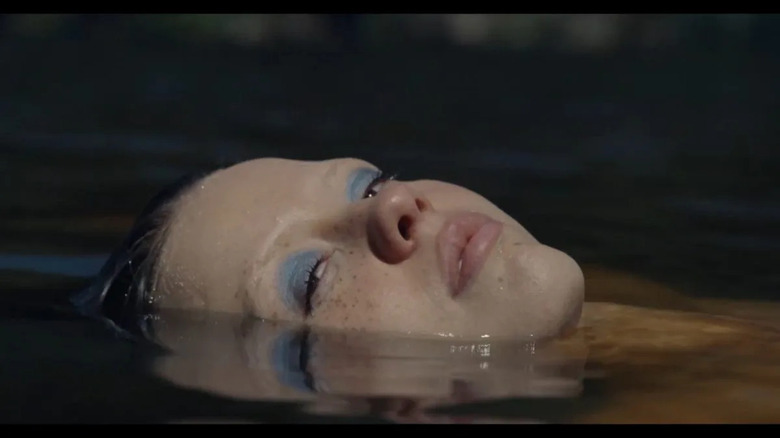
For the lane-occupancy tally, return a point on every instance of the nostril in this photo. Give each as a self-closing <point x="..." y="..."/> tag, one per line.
<point x="403" y="227"/>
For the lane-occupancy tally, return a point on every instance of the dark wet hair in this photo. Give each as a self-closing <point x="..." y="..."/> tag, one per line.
<point x="120" y="294"/>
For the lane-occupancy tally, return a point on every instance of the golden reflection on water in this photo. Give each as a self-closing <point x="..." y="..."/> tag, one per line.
<point x="713" y="361"/>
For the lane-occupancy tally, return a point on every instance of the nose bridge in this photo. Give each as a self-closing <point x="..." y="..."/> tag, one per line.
<point x="386" y="222"/>
<point x="394" y="193"/>
<point x="397" y="201"/>
<point x="401" y="198"/>
<point x="390" y="204"/>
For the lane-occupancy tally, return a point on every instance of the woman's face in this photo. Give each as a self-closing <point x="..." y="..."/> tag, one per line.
<point x="334" y="244"/>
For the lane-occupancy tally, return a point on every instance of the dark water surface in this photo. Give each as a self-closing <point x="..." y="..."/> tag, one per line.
<point x="657" y="172"/>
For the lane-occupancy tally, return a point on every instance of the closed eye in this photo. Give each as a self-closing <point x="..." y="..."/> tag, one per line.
<point x="300" y="274"/>
<point x="296" y="286"/>
<point x="312" y="281"/>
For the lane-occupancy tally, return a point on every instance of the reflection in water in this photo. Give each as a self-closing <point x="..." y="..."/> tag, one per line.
<point x="359" y="373"/>
<point x="624" y="364"/>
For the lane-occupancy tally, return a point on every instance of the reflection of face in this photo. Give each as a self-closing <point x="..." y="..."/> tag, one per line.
<point x="253" y="359"/>
<point x="334" y="244"/>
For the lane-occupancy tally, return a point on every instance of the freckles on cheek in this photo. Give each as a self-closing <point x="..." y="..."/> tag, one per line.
<point x="352" y="303"/>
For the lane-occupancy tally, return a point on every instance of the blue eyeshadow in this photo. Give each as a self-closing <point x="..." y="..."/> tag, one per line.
<point x="358" y="181"/>
<point x="293" y="275"/>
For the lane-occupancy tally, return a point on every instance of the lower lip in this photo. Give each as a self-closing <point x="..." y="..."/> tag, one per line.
<point x="476" y="234"/>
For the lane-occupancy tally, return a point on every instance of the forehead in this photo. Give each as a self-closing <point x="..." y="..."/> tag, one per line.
<point x="272" y="181"/>
<point x="227" y="217"/>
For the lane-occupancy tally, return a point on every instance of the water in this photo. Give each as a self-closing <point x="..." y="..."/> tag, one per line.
<point x="657" y="172"/>
<point x="625" y="364"/>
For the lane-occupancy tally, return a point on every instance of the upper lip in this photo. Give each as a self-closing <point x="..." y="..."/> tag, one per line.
<point x="464" y="243"/>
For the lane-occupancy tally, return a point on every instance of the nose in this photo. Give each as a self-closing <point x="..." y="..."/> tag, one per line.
<point x="391" y="221"/>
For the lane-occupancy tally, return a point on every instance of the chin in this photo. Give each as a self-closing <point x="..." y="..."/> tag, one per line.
<point x="563" y="290"/>
<point x="545" y="294"/>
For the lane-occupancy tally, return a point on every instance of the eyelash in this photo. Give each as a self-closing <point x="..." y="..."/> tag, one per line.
<point x="382" y="177"/>
<point x="312" y="281"/>
<point x="311" y="285"/>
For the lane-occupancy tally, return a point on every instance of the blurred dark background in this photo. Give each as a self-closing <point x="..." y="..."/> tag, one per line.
<point x="647" y="143"/>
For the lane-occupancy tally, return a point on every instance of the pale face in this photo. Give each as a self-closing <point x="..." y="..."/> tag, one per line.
<point x="327" y="244"/>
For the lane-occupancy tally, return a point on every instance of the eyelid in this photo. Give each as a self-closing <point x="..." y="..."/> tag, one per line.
<point x="293" y="276"/>
<point x="358" y="181"/>
<point x="293" y="273"/>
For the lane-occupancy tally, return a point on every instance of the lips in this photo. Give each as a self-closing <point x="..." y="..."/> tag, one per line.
<point x="464" y="243"/>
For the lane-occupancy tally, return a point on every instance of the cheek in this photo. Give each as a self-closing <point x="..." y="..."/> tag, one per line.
<point x="368" y="294"/>
<point x="349" y="227"/>
<point x="352" y="302"/>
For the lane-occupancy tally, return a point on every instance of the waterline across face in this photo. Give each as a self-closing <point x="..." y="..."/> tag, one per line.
<point x="338" y="244"/>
